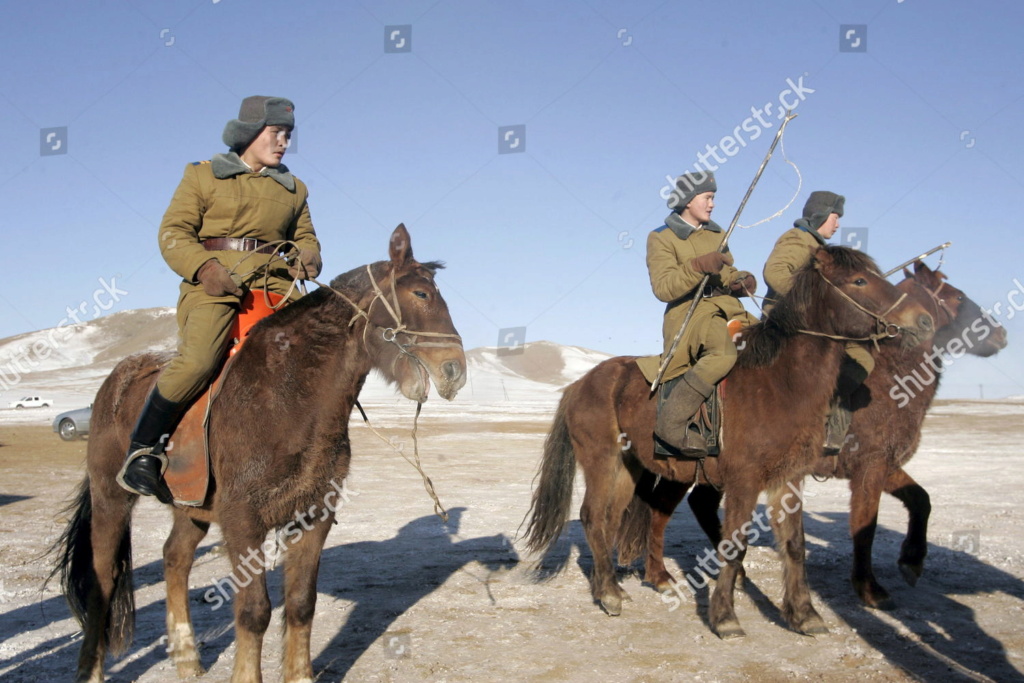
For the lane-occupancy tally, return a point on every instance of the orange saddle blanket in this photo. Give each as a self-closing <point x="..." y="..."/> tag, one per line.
<point x="188" y="460"/>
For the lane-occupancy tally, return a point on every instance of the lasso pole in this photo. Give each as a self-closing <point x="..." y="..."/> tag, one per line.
<point x="721" y="248"/>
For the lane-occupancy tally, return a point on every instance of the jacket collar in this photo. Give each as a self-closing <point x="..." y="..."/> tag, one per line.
<point x="230" y="164"/>
<point x="802" y="224"/>
<point x="682" y="229"/>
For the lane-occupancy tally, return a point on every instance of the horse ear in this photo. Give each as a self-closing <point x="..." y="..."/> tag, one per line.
<point x="923" y="272"/>
<point x="821" y="258"/>
<point x="400" y="248"/>
<point x="907" y="274"/>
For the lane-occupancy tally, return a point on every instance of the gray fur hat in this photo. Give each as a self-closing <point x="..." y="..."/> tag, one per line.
<point x="819" y="205"/>
<point x="688" y="186"/>
<point x="256" y="112"/>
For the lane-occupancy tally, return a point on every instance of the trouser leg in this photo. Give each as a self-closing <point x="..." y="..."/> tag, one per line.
<point x="204" y="338"/>
<point x="855" y="368"/>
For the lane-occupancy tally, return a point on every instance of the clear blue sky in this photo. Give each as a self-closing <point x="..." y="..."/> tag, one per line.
<point x="921" y="132"/>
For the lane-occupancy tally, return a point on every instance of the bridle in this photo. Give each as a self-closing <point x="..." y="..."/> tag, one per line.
<point x="394" y="309"/>
<point x="940" y="303"/>
<point x="388" y="334"/>
<point x="883" y="328"/>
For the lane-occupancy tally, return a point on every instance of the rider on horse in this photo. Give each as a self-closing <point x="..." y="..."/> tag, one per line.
<point x="792" y="251"/>
<point x="679" y="255"/>
<point x="225" y="211"/>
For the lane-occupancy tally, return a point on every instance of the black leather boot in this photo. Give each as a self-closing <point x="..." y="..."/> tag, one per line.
<point x="837" y="424"/>
<point x="840" y="413"/>
<point x="145" y="463"/>
<point x="674" y="433"/>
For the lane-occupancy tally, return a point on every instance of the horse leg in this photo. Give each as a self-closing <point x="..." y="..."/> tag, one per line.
<point x="609" y="490"/>
<point x="919" y="507"/>
<point x="785" y="505"/>
<point x="865" y="492"/>
<point x="663" y="500"/>
<point x="109" y="600"/>
<point x="244" y="541"/>
<point x="179" y="553"/>
<point x="739" y="504"/>
<point x="302" y="565"/>
<point x="704" y="502"/>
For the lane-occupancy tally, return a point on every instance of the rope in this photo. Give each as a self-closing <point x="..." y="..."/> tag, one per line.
<point x="396" y="315"/>
<point x="439" y="509"/>
<point x="799" y="184"/>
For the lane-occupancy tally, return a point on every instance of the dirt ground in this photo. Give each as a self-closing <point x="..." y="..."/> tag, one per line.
<point x="404" y="597"/>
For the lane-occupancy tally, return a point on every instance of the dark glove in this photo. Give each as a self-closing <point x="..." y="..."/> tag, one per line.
<point x="311" y="265"/>
<point x="711" y="263"/>
<point x="216" y="280"/>
<point x="743" y="284"/>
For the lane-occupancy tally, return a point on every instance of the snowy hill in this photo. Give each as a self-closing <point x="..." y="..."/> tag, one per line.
<point x="69" y="363"/>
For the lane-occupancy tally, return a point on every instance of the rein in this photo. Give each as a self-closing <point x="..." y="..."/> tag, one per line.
<point x="940" y="304"/>
<point x="884" y="328"/>
<point x="389" y="334"/>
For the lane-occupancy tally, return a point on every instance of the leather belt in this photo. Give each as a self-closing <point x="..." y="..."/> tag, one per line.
<point x="707" y="292"/>
<point x="238" y="244"/>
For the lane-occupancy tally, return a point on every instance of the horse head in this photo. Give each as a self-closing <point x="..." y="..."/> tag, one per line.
<point x="841" y="292"/>
<point x="408" y="331"/>
<point x="956" y="315"/>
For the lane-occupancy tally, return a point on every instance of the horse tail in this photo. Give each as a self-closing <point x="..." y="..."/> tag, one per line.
<point x="552" y="498"/>
<point x="635" y="531"/>
<point x="77" y="573"/>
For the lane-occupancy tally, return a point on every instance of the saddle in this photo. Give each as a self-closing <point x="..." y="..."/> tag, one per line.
<point x="709" y="417"/>
<point x="188" y="456"/>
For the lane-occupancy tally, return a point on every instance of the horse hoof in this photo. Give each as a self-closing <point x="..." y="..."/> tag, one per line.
<point x="911" y="572"/>
<point x="612" y="605"/>
<point x="189" y="669"/>
<point x="814" y="627"/>
<point x="886" y="604"/>
<point x="730" y="630"/>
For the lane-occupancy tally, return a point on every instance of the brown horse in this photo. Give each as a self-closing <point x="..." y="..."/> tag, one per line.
<point x="278" y="441"/>
<point x="886" y="430"/>
<point x="773" y="431"/>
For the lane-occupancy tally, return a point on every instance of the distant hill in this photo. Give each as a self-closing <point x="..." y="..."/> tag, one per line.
<point x="70" y="363"/>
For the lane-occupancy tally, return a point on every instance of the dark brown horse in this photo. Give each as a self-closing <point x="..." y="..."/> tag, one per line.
<point x="774" y="405"/>
<point x="886" y="430"/>
<point x="279" y="447"/>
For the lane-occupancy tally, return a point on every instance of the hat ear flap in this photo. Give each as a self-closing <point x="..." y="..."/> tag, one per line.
<point x="238" y="134"/>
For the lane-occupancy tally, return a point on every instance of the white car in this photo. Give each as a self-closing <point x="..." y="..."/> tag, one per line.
<point x="31" y="402"/>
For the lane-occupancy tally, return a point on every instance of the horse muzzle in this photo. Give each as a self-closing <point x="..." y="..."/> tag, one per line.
<point x="920" y="329"/>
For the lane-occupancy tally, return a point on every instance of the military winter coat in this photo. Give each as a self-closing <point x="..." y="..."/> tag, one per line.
<point x="669" y="252"/>
<point x="223" y="198"/>
<point x="791" y="252"/>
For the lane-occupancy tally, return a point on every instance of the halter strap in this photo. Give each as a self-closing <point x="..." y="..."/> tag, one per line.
<point x="884" y="328"/>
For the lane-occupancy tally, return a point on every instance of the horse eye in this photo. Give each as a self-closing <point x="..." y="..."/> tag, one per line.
<point x="860" y="282"/>
<point x="422" y="295"/>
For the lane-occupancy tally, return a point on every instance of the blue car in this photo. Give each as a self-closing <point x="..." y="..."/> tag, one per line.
<point x="73" y="424"/>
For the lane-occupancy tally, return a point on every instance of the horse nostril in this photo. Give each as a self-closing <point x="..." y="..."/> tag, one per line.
<point x="452" y="370"/>
<point x="925" y="322"/>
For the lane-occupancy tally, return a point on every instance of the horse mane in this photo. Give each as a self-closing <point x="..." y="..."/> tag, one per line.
<point x="765" y="340"/>
<point x="358" y="280"/>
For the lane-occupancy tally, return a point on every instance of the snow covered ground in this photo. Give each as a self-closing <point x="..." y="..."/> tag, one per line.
<point x="405" y="597"/>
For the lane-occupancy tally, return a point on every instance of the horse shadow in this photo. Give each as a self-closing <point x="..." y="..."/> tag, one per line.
<point x="7" y="499"/>
<point x="60" y="651"/>
<point x="933" y="633"/>
<point x="384" y="579"/>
